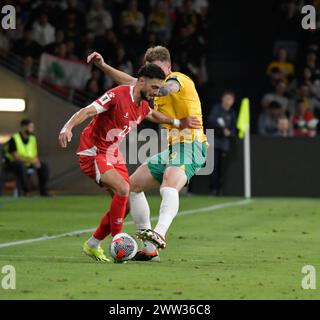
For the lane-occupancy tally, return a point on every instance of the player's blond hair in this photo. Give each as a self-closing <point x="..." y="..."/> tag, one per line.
<point x="157" y="53"/>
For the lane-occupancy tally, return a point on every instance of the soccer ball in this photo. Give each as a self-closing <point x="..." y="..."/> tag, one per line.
<point x="123" y="247"/>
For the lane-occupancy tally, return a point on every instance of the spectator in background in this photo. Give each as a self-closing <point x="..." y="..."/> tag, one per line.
<point x="159" y="21"/>
<point x="268" y="119"/>
<point x="152" y="40"/>
<point x="186" y="15"/>
<point x="303" y="93"/>
<point x="43" y="32"/>
<point x="282" y="63"/>
<point x="107" y="45"/>
<point x="307" y="79"/>
<point x="48" y="7"/>
<point x="312" y="62"/>
<point x="16" y="34"/>
<point x="99" y="32"/>
<point x="283" y="127"/>
<point x="28" y="50"/>
<point x="223" y="120"/>
<point x="278" y="95"/>
<point x="189" y="51"/>
<point x="276" y="76"/>
<point x="71" y="29"/>
<point x="74" y="16"/>
<point x="303" y="121"/>
<point x="289" y="25"/>
<point x="99" y="19"/>
<point x="71" y="52"/>
<point x="61" y="51"/>
<point x="21" y="155"/>
<point x="122" y="61"/>
<point x="91" y="92"/>
<point x="59" y="38"/>
<point x="132" y="19"/>
<point x="200" y="6"/>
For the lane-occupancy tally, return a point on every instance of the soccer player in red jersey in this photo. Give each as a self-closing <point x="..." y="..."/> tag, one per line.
<point x="115" y="114"/>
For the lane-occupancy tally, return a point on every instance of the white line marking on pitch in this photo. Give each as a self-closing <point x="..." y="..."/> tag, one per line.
<point x="77" y="232"/>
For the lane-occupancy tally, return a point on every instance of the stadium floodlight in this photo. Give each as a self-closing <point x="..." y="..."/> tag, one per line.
<point x="12" y="105"/>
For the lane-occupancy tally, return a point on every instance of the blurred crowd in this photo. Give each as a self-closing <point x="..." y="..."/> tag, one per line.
<point x="291" y="104"/>
<point x="121" y="30"/>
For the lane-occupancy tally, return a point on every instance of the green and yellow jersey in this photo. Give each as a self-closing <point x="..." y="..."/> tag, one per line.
<point x="179" y="105"/>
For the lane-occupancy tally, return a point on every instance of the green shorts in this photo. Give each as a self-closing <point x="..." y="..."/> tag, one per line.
<point x="190" y="157"/>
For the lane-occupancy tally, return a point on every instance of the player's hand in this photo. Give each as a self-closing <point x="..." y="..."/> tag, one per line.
<point x="190" y="122"/>
<point x="96" y="58"/>
<point x="65" y="137"/>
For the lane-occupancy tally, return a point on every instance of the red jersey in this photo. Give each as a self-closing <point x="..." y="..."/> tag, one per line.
<point x="301" y="123"/>
<point x="117" y="116"/>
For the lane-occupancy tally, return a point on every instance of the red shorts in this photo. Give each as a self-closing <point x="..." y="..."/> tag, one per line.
<point x="95" y="166"/>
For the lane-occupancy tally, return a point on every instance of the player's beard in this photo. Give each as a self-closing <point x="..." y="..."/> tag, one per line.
<point x="144" y="96"/>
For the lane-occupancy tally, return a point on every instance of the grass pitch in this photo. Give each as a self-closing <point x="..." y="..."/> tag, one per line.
<point x="252" y="251"/>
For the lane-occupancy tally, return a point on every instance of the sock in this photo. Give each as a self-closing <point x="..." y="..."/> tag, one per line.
<point x="93" y="242"/>
<point x="168" y="209"/>
<point x="140" y="210"/>
<point x="104" y="227"/>
<point x="112" y="221"/>
<point x="117" y="213"/>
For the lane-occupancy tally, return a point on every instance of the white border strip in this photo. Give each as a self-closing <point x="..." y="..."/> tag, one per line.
<point x="77" y="232"/>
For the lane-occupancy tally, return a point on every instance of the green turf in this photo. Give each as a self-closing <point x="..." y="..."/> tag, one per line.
<point x="254" y="251"/>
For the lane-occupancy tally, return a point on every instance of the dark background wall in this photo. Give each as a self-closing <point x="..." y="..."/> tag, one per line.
<point x="279" y="167"/>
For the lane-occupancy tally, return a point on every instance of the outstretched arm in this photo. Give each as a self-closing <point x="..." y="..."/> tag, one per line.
<point x="116" y="75"/>
<point x="189" y="122"/>
<point x="79" y="117"/>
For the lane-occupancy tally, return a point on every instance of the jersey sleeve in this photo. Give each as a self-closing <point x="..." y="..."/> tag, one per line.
<point x="176" y="78"/>
<point x="104" y="102"/>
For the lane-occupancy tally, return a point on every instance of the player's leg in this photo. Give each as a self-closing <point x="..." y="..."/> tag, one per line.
<point x="115" y="180"/>
<point x="142" y="180"/>
<point x="185" y="161"/>
<point x="112" y="221"/>
<point x="174" y="179"/>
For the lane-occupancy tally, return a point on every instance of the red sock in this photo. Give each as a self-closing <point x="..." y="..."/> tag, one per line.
<point x="104" y="227"/>
<point x="117" y="213"/>
<point x="113" y="219"/>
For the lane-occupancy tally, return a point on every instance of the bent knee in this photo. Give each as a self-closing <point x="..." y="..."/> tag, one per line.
<point x="123" y="189"/>
<point x="134" y="187"/>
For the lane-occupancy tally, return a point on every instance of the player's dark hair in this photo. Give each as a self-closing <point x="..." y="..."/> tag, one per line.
<point x="151" y="71"/>
<point x="25" y="122"/>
